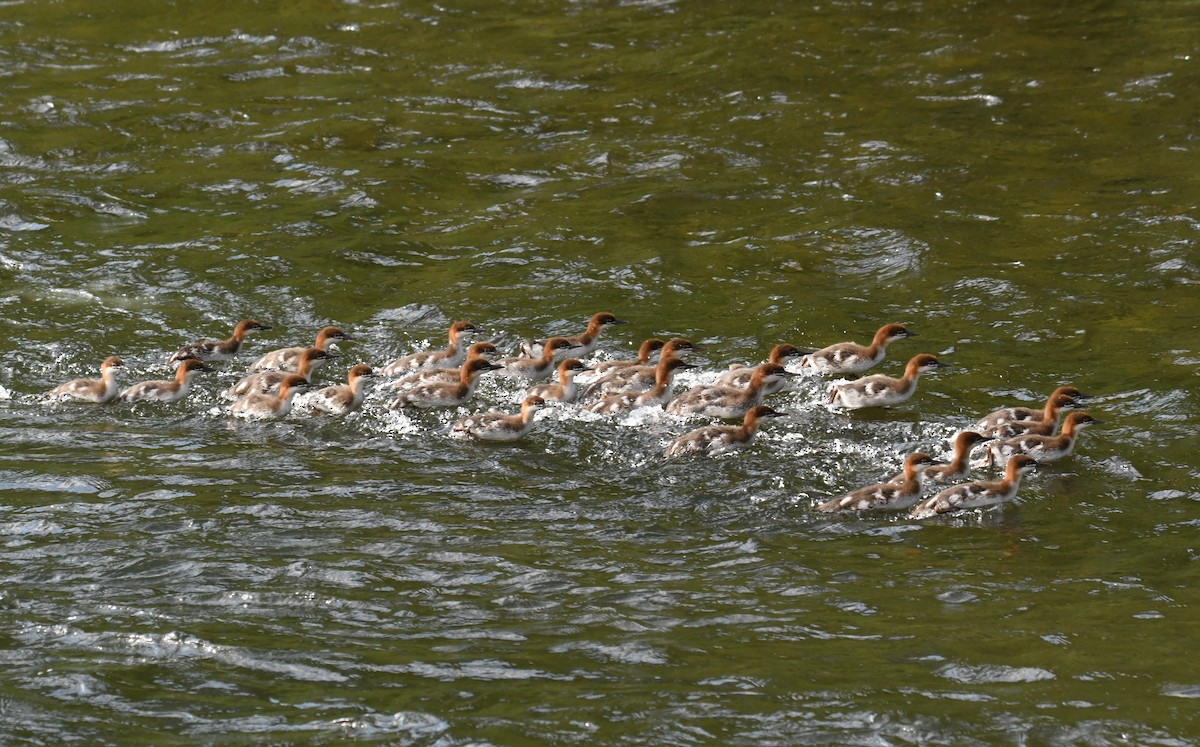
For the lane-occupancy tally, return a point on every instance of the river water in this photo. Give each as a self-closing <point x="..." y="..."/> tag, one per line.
<point x="1013" y="180"/>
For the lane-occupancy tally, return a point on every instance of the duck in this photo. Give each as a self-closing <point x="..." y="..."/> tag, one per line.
<point x="612" y="404"/>
<point x="268" y="382"/>
<point x="100" y="390"/>
<point x="452" y="357"/>
<point x="262" y="406"/>
<point x="566" y="390"/>
<point x="1044" y="425"/>
<point x="637" y="378"/>
<point x="499" y="426"/>
<point x="959" y="467"/>
<point x="886" y="496"/>
<point x="739" y="376"/>
<point x="1044" y="449"/>
<point x="1047" y="412"/>
<point x="343" y="398"/>
<point x="218" y="350"/>
<point x="712" y="440"/>
<point x="288" y="359"/>
<point x="646" y="351"/>
<point x="883" y="391"/>
<point x="728" y="401"/>
<point x="481" y="349"/>
<point x="446" y="395"/>
<point x="581" y="344"/>
<point x="977" y="494"/>
<point x="849" y="357"/>
<point x="166" y="391"/>
<point x="536" y="369"/>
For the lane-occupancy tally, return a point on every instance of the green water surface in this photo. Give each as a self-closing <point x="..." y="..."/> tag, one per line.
<point x="1013" y="180"/>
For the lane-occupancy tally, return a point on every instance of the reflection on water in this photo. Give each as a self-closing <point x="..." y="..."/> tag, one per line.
<point x="1017" y="191"/>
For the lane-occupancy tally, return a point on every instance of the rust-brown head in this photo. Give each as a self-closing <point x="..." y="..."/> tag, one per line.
<point x="602" y="319"/>
<point x="890" y="333"/>
<point x="758" y="412"/>
<point x="247" y="325"/>
<point x="966" y="440"/>
<point x="329" y="335"/>
<point x="921" y="363"/>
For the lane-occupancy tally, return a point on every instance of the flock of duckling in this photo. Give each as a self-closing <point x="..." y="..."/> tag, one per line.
<point x="1024" y="437"/>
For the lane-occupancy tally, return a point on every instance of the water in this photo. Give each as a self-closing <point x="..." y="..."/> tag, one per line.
<point x="1014" y="181"/>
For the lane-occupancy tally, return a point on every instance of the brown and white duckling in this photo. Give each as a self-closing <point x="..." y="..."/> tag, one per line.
<point x="849" y="357"/>
<point x="1063" y="396"/>
<point x="536" y="369"/>
<point x="482" y="349"/>
<point x="712" y="440"/>
<point x="977" y="494"/>
<point x="885" y="496"/>
<point x="99" y="390"/>
<point x="639" y="378"/>
<point x="565" y="390"/>
<point x="218" y="350"/>
<point x="263" y="406"/>
<point x="342" y="398"/>
<point x="740" y="375"/>
<point x="166" y="391"/>
<point x="959" y="467"/>
<point x="452" y="357"/>
<point x="1044" y="425"/>
<point x="612" y="404"/>
<point x="499" y="426"/>
<point x="288" y="359"/>
<point x="728" y="401"/>
<point x="446" y="395"/>
<point x="883" y="391"/>
<point x="1043" y="448"/>
<point x="645" y="352"/>
<point x="581" y="344"/>
<point x="268" y="382"/>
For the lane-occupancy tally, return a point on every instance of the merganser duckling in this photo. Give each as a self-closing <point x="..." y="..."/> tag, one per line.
<point x="1044" y="425"/>
<point x="639" y="378"/>
<point x="883" y="391"/>
<point x="288" y="359"/>
<point x="611" y="404"/>
<point x="483" y="350"/>
<point x="451" y="358"/>
<point x="166" y="391"/>
<point x="446" y="395"/>
<point x="536" y="369"/>
<point x="99" y="390"/>
<point x="728" y="401"/>
<point x="566" y="390"/>
<point x="712" y="440"/>
<point x="260" y="406"/>
<point x="581" y="344"/>
<point x="645" y="353"/>
<point x="218" y="350"/>
<point x="268" y="382"/>
<point x="1043" y="448"/>
<point x="499" y="426"/>
<point x="959" y="467"/>
<point x="1048" y="412"/>
<point x="977" y="494"/>
<point x="850" y="357"/>
<point x="885" y="496"/>
<point x="739" y="376"/>
<point x="343" y="398"/>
